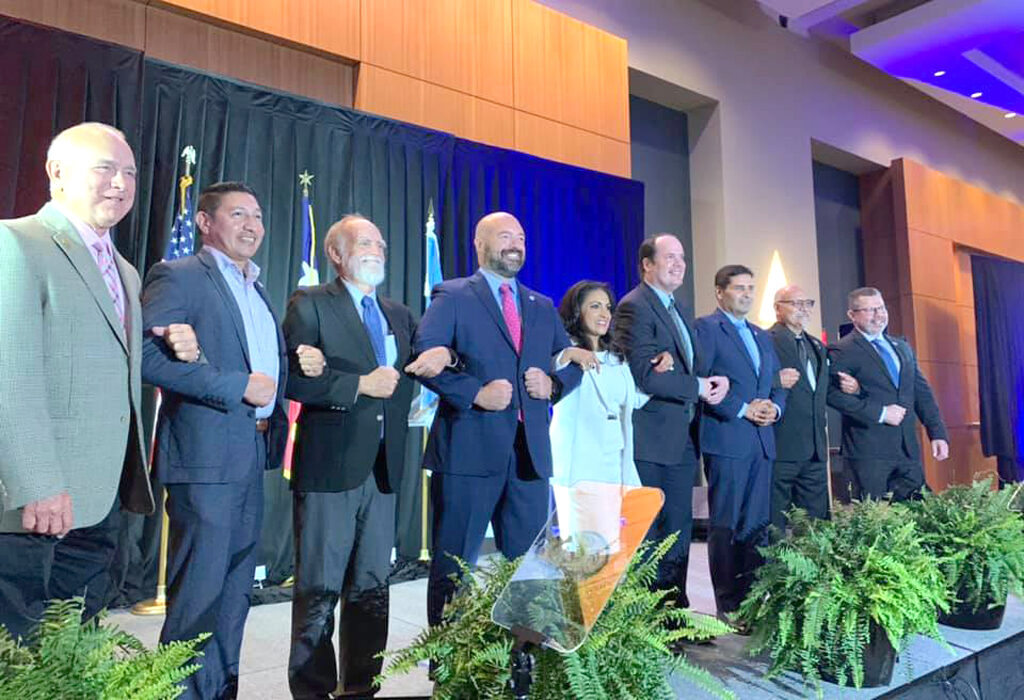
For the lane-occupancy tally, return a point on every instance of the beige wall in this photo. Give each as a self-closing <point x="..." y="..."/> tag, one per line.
<point x="751" y="158"/>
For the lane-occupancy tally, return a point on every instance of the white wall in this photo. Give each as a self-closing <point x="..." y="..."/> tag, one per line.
<point x="751" y="163"/>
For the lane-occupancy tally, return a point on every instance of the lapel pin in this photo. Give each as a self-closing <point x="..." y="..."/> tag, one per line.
<point x="532" y="298"/>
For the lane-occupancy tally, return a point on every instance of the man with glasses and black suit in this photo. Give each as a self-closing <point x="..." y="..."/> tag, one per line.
<point x="879" y="433"/>
<point x="800" y="475"/>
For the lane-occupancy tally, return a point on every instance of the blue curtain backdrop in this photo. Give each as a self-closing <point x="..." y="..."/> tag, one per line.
<point x="998" y="289"/>
<point x="579" y="223"/>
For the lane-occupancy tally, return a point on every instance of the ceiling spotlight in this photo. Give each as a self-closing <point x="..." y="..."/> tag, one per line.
<point x="1010" y="115"/>
<point x="939" y="73"/>
<point x="975" y="95"/>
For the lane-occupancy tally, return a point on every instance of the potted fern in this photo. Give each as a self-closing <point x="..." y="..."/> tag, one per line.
<point x="628" y="653"/>
<point x="979" y="542"/>
<point x="839" y="599"/>
<point x="66" y="659"/>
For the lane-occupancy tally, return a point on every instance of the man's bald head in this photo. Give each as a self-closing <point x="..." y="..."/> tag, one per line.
<point x="500" y="243"/>
<point x="92" y="174"/>
<point x="793" y="308"/>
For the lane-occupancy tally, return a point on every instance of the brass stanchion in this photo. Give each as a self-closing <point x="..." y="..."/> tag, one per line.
<point x="158" y="605"/>
<point x="424" y="549"/>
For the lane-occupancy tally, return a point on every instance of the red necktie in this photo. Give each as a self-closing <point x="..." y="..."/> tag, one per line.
<point x="511" y="314"/>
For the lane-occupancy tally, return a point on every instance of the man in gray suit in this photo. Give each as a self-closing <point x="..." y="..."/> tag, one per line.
<point x="70" y="353"/>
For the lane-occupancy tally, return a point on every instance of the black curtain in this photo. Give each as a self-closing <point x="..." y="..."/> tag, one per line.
<point x="579" y="223"/>
<point x="998" y="289"/>
<point x="50" y="80"/>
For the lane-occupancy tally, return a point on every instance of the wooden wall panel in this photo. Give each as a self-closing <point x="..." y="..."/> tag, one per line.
<point x="465" y="45"/>
<point x="188" y="41"/>
<point x="117" y="21"/>
<point x="556" y="141"/>
<point x="569" y="72"/>
<point x="929" y="224"/>
<point x="331" y="26"/>
<point x="416" y="101"/>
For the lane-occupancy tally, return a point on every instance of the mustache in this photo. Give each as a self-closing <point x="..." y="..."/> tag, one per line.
<point x="363" y="259"/>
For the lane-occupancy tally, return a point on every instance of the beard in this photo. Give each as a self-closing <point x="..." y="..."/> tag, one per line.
<point x="368" y="270"/>
<point x="506" y="262"/>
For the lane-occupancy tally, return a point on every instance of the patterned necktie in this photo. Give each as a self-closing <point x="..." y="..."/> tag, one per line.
<point x="511" y="314"/>
<point x="371" y="319"/>
<point x="687" y="342"/>
<point x="110" y="276"/>
<point x="890" y="364"/>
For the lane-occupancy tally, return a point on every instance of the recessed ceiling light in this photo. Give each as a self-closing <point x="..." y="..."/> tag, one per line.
<point x="1010" y="115"/>
<point x="939" y="73"/>
<point x="975" y="95"/>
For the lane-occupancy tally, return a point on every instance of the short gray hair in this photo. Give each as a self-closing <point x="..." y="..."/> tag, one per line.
<point x="337" y="231"/>
<point x="859" y="292"/>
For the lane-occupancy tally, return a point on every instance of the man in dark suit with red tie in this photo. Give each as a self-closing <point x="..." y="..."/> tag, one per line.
<point x="489" y="447"/>
<point x="879" y="431"/>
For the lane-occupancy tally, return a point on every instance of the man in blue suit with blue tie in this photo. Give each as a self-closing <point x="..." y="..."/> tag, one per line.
<point x="221" y="424"/>
<point x="489" y="447"/>
<point x="736" y="435"/>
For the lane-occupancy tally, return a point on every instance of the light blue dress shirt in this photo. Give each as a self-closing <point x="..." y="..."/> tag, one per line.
<point x="494" y="281"/>
<point x="260" y="327"/>
<point x="390" y="346"/>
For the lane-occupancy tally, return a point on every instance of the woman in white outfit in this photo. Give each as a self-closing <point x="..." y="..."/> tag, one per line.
<point x="592" y="426"/>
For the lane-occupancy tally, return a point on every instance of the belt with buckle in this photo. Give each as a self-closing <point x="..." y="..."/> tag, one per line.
<point x="262" y="425"/>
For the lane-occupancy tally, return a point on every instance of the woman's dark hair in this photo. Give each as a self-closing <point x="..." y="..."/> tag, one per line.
<point x="571" y="311"/>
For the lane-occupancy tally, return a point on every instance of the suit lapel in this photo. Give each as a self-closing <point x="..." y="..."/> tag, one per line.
<point x="70" y="243"/>
<point x="528" y="310"/>
<point x="483" y="291"/>
<point x="389" y="308"/>
<point x="905" y="361"/>
<point x="730" y="330"/>
<point x="228" y="299"/>
<point x="345" y="309"/>
<point x="666" y="318"/>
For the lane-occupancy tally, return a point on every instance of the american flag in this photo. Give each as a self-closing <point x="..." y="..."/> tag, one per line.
<point x="182" y="242"/>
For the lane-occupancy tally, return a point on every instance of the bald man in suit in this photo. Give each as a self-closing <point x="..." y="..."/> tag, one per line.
<point x="70" y="352"/>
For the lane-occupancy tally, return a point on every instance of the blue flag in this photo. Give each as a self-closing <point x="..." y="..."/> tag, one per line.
<point x="422" y="412"/>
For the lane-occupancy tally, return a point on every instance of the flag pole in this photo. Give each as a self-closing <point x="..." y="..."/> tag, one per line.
<point x="158" y="604"/>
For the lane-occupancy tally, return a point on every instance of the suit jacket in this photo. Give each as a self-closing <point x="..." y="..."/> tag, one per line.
<point x="576" y="455"/>
<point x="863" y="436"/>
<point x="205" y="432"/>
<point x="800" y="434"/>
<point x="339" y="434"/>
<point x="464" y="316"/>
<point x="70" y="384"/>
<point x="643" y="329"/>
<point x="722" y="432"/>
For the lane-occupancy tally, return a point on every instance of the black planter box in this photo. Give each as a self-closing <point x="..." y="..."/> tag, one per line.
<point x="879" y="660"/>
<point x="984" y="618"/>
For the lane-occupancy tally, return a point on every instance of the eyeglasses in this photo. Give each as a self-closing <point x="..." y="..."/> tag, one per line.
<point x="799" y="303"/>
<point x="870" y="310"/>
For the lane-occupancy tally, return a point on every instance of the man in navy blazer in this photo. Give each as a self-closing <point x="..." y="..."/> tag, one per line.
<point x="222" y="422"/>
<point x="647" y="323"/>
<point x="736" y="435"/>
<point x="489" y="447"/>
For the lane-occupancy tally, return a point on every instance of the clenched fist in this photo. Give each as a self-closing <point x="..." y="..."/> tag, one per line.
<point x="380" y="383"/>
<point x="495" y="395"/>
<point x="893" y="414"/>
<point x="538" y="383"/>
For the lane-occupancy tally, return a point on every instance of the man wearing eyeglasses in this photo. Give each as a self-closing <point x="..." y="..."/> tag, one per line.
<point x="879" y="433"/>
<point x="801" y="448"/>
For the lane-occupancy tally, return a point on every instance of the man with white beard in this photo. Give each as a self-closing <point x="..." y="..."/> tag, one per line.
<point x="348" y="460"/>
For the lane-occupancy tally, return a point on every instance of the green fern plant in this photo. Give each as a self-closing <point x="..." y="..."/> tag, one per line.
<point x="627" y="655"/>
<point x="978" y="540"/>
<point x="820" y="590"/>
<point x="64" y="658"/>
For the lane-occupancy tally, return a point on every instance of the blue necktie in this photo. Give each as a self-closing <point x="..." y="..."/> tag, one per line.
<point x="748" y="339"/>
<point x="890" y="364"/>
<point x="371" y="319"/>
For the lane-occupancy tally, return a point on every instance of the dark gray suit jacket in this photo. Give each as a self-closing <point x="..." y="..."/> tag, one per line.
<point x="800" y="434"/>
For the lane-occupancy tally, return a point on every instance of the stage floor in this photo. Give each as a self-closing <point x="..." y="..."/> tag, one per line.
<point x="265" y="651"/>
